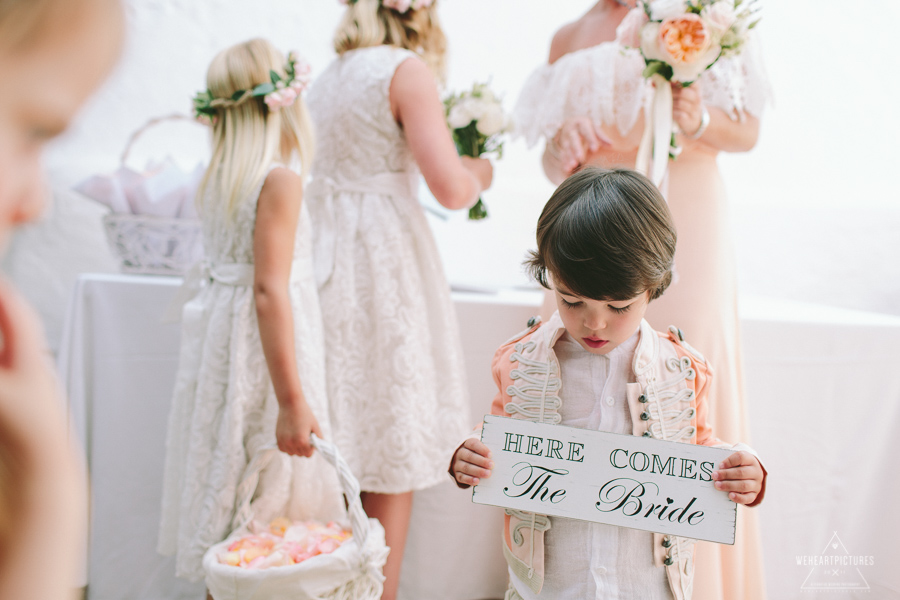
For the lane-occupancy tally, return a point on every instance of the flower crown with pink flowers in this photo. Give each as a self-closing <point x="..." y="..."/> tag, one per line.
<point x="401" y="6"/>
<point x="278" y="92"/>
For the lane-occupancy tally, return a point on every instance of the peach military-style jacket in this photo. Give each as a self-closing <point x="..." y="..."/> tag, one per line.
<point x="667" y="400"/>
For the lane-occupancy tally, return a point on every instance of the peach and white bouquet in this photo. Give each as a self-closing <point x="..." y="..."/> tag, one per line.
<point x="477" y="122"/>
<point x="679" y="40"/>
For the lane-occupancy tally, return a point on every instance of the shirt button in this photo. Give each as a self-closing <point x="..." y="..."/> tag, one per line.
<point x="600" y="570"/>
<point x="610" y="401"/>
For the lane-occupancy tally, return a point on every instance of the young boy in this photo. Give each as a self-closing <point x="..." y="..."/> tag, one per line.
<point x="606" y="244"/>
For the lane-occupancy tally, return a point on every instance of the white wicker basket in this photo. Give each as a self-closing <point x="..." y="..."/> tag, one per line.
<point x="148" y="244"/>
<point x="154" y="245"/>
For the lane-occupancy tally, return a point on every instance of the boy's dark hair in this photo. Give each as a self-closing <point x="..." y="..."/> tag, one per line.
<point x="605" y="235"/>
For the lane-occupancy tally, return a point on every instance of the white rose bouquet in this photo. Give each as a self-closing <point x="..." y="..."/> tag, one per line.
<point x="477" y="122"/>
<point x="679" y="39"/>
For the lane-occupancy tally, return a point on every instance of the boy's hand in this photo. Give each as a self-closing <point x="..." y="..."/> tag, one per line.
<point x="741" y="476"/>
<point x="472" y="462"/>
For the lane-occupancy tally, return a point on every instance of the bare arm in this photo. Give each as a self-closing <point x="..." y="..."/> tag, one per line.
<point x="723" y="132"/>
<point x="455" y="182"/>
<point x="277" y="213"/>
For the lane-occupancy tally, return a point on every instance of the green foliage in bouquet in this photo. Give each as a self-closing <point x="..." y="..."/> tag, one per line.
<point x="477" y="123"/>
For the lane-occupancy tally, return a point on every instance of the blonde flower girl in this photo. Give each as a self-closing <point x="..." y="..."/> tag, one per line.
<point x="251" y="369"/>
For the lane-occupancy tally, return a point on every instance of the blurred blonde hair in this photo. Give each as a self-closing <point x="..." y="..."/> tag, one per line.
<point x="247" y="136"/>
<point x="367" y="23"/>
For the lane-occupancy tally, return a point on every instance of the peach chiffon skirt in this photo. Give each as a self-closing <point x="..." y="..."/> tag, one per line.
<point x="703" y="304"/>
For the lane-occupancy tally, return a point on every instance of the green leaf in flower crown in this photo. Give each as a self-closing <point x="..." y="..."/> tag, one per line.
<point x="263" y="89"/>
<point x="275" y="77"/>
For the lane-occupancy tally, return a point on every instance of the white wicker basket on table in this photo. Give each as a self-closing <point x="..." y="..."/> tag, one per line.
<point x="151" y="245"/>
<point x="154" y="245"/>
<point x="352" y="572"/>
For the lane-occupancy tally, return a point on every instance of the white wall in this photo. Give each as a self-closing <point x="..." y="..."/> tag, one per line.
<point x="815" y="203"/>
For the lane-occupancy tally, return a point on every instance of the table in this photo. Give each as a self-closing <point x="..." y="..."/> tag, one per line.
<point x="118" y="363"/>
<point x="824" y="388"/>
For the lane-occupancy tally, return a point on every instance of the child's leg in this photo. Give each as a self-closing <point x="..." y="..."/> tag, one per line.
<point x="393" y="510"/>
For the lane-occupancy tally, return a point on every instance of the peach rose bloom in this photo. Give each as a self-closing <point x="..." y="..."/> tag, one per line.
<point x="684" y="38"/>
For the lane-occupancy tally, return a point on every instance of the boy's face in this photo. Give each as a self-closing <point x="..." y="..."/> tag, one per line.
<point x="599" y="325"/>
<point x="43" y="85"/>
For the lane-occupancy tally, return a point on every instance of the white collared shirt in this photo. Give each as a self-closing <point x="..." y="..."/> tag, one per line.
<point x="586" y="561"/>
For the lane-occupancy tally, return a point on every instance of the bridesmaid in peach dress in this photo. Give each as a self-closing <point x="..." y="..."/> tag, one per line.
<point x="587" y="105"/>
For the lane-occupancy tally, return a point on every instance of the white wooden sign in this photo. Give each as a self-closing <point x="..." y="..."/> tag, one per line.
<point x="623" y="480"/>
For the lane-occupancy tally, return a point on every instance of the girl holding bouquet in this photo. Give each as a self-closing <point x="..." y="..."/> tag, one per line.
<point x="396" y="384"/>
<point x="251" y="371"/>
<point x="586" y="103"/>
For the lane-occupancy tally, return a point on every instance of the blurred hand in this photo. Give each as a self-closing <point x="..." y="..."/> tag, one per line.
<point x="31" y="411"/>
<point x="43" y="496"/>
<point x="481" y="168"/>
<point x="687" y="107"/>
<point x="575" y="141"/>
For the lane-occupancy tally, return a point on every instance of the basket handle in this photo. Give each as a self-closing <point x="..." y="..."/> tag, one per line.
<point x="359" y="521"/>
<point x="149" y="125"/>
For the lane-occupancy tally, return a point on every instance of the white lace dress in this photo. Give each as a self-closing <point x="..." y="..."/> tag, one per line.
<point x="224" y="408"/>
<point x="396" y="383"/>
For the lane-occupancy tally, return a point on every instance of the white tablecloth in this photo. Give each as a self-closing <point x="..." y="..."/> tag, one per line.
<point x="824" y="389"/>
<point x="118" y="364"/>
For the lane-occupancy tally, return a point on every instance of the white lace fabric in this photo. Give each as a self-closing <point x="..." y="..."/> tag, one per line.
<point x="396" y="381"/>
<point x="224" y="408"/>
<point x="605" y="83"/>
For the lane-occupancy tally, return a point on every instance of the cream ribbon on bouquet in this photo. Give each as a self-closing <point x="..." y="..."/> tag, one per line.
<point x="653" y="152"/>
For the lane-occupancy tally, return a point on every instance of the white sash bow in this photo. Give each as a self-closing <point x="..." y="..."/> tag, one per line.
<point x="199" y="275"/>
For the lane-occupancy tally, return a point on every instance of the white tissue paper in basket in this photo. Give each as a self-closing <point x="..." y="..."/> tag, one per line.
<point x="162" y="189"/>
